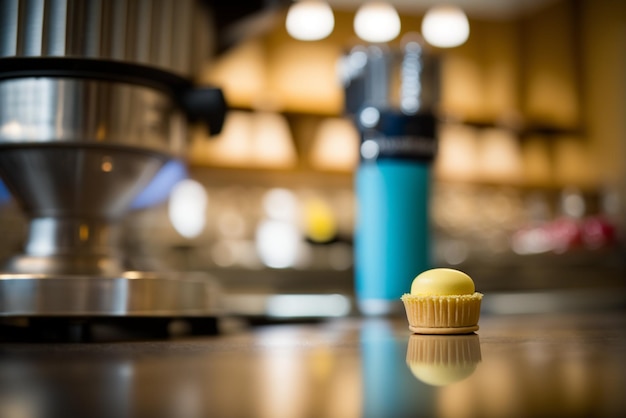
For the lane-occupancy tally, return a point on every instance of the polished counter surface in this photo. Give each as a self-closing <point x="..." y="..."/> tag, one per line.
<point x="531" y="365"/>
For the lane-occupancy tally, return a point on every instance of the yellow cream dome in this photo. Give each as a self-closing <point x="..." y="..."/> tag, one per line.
<point x="443" y="282"/>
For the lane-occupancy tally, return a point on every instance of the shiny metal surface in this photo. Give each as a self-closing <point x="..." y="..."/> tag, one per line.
<point x="76" y="181"/>
<point x="75" y="153"/>
<point x="89" y="112"/>
<point x="173" y="35"/>
<point x="558" y="365"/>
<point x="69" y="246"/>
<point x="132" y="294"/>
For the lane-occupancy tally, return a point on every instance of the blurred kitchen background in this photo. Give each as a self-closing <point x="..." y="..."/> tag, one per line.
<point x="529" y="188"/>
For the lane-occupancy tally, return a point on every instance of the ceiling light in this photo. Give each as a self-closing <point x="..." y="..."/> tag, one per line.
<point x="310" y="20"/>
<point x="445" y="26"/>
<point x="377" y="22"/>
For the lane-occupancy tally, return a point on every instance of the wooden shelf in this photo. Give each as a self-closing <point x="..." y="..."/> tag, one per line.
<point x="296" y="177"/>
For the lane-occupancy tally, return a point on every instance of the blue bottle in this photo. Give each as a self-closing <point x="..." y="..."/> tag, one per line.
<point x="398" y="144"/>
<point x="392" y="242"/>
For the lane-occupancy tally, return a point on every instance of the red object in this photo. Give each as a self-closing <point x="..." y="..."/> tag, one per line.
<point x="565" y="234"/>
<point x="597" y="232"/>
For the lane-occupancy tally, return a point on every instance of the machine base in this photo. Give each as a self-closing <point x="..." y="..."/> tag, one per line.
<point x="134" y="294"/>
<point x="81" y="308"/>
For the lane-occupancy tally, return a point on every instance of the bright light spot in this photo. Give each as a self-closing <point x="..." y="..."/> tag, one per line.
<point x="11" y="130"/>
<point x="187" y="208"/>
<point x="358" y="59"/>
<point x="353" y="64"/>
<point x="107" y="164"/>
<point x="281" y="204"/>
<point x="409" y="105"/>
<point x="573" y="203"/>
<point x="532" y="241"/>
<point x="377" y="22"/>
<point x="369" y="149"/>
<point x="310" y="20"/>
<point x="278" y="243"/>
<point x="411" y="86"/>
<point x="308" y="306"/>
<point x="369" y="117"/>
<point x="445" y="26"/>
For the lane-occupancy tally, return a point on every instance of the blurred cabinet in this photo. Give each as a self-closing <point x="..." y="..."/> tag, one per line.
<point x="515" y="86"/>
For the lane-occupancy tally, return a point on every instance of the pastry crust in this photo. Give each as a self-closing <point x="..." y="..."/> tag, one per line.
<point x="435" y="314"/>
<point x="444" y="331"/>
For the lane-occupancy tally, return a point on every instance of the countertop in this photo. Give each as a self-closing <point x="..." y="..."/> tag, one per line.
<point x="530" y="365"/>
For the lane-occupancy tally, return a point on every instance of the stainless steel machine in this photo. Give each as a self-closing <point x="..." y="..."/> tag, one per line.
<point x="95" y="97"/>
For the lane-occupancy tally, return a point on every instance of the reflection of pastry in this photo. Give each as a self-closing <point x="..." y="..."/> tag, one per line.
<point x="442" y="301"/>
<point x="440" y="360"/>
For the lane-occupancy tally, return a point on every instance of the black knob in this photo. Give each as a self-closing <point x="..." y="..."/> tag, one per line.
<point x="207" y="105"/>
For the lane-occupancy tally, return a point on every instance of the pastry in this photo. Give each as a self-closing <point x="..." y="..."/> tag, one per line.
<point x="442" y="301"/>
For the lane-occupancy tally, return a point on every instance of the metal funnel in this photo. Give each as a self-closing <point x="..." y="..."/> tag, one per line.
<point x="75" y="153"/>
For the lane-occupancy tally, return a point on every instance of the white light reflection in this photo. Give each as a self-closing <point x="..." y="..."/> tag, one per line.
<point x="445" y="26"/>
<point x="187" y="208"/>
<point x="278" y="238"/>
<point x="369" y="149"/>
<point x="369" y="117"/>
<point x="11" y="130"/>
<point x="290" y="306"/>
<point x="573" y="203"/>
<point x="352" y="65"/>
<point x="278" y="243"/>
<point x="282" y="392"/>
<point x="377" y="21"/>
<point x="310" y="20"/>
<point x="535" y="240"/>
<point x="410" y="74"/>
<point x="358" y="58"/>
